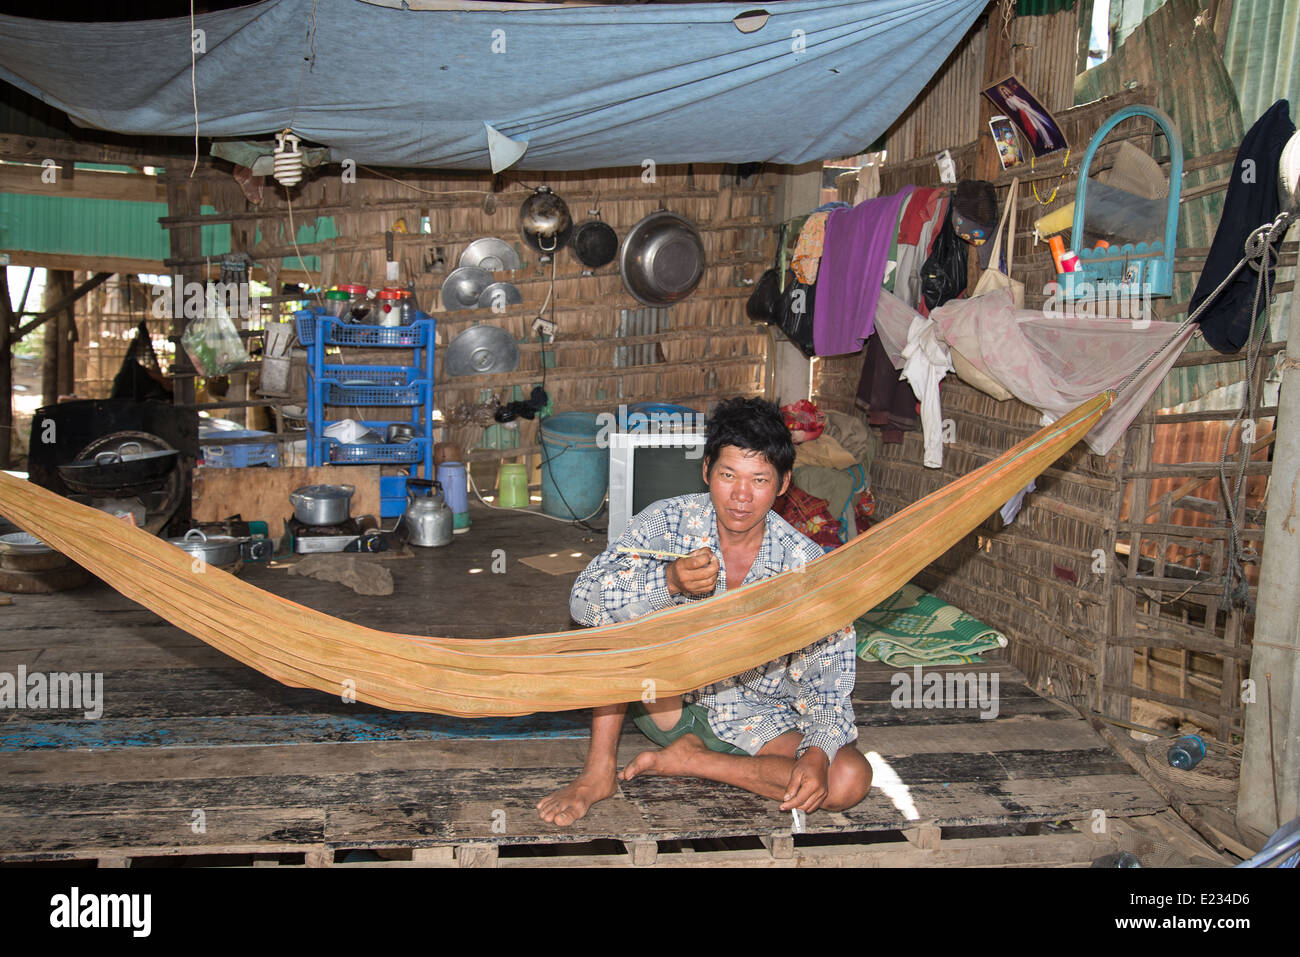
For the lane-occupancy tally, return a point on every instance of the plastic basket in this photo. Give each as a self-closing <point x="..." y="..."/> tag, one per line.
<point x="304" y="320"/>
<point x="336" y="333"/>
<point x="241" y="456"/>
<point x="372" y="385"/>
<point x="415" y="336"/>
<point x="336" y="453"/>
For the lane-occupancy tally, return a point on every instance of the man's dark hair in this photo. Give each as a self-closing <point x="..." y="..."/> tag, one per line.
<point x="754" y="425"/>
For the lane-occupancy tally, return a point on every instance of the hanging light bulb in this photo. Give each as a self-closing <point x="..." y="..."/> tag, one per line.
<point x="288" y="159"/>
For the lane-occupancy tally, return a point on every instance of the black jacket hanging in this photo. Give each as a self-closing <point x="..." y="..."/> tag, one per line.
<point x="1251" y="202"/>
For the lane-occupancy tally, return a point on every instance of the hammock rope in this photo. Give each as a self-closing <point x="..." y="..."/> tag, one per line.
<point x="679" y="649"/>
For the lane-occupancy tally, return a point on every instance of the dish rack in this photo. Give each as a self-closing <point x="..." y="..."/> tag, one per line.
<point x="391" y="394"/>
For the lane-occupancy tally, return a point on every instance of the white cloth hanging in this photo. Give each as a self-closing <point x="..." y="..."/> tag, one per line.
<point x="926" y="361"/>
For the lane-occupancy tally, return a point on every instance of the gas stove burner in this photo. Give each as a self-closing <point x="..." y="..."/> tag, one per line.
<point x="355" y="535"/>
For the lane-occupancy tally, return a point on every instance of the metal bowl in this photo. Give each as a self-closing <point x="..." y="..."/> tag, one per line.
<point x="662" y="260"/>
<point x="494" y="255"/>
<point x="23" y="543"/>
<point x="505" y="293"/>
<point x="462" y="287"/>
<point x="480" y="350"/>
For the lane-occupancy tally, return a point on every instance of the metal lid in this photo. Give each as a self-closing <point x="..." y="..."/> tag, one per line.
<point x="492" y="254"/>
<point x="480" y="350"/>
<point x="462" y="287"/>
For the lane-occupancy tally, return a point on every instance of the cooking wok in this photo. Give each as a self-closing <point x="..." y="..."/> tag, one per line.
<point x="117" y="469"/>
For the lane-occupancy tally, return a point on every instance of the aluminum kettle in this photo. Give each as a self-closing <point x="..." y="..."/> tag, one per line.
<point x="428" y="518"/>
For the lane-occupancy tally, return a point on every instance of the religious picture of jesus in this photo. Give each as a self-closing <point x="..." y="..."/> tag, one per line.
<point x="1035" y="123"/>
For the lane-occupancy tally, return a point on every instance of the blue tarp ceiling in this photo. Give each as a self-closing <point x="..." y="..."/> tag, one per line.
<point x="587" y="87"/>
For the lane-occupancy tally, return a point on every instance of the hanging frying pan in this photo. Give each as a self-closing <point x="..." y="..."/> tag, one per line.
<point x="545" y="223"/>
<point x="594" y="242"/>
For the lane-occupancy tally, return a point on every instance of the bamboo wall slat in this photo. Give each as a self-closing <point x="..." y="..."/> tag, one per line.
<point x="709" y="349"/>
<point x="1040" y="580"/>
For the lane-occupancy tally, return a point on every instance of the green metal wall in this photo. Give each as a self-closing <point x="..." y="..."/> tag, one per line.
<point x="94" y="227"/>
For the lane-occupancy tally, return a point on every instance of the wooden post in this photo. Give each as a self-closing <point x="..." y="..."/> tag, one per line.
<point x="66" y="326"/>
<point x="1266" y="794"/>
<point x="7" y="323"/>
<point x="58" y="284"/>
<point x="184" y="198"/>
<point x="799" y="192"/>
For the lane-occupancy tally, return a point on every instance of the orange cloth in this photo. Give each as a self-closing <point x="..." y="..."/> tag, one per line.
<point x="808" y="250"/>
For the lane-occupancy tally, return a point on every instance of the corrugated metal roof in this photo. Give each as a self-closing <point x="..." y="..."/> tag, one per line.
<point x="1263" y="55"/>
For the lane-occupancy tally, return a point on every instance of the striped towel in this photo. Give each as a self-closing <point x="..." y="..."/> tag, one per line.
<point x="913" y="627"/>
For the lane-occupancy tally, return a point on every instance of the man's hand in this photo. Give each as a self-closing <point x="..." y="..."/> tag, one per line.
<point x="696" y="574"/>
<point x="807" y="788"/>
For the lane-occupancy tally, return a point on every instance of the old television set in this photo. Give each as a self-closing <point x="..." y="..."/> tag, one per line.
<point x="645" y="466"/>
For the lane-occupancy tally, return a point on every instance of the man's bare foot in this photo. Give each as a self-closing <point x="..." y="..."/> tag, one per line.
<point x="572" y="803"/>
<point x="673" y="760"/>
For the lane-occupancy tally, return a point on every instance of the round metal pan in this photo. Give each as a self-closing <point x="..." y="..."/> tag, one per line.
<point x="129" y="466"/>
<point x="595" y="243"/>
<point x="662" y="259"/>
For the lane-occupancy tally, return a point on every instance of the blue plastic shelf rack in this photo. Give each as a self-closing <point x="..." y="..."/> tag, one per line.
<point x="409" y="387"/>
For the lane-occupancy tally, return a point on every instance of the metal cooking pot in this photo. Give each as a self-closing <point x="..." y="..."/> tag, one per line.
<point x="223" y="549"/>
<point x="322" y="504"/>
<point x="129" y="466"/>
<point x="544" y="222"/>
<point x="399" y="433"/>
<point x="662" y="260"/>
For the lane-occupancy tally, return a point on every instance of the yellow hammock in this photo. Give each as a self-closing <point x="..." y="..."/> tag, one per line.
<point x="679" y="649"/>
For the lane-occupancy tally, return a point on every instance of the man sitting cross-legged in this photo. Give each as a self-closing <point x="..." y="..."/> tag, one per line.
<point x="781" y="730"/>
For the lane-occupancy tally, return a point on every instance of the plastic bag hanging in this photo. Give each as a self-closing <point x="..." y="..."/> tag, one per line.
<point x="212" y="341"/>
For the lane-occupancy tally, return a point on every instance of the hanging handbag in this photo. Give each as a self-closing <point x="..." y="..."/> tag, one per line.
<point x="764" y="302"/>
<point x="993" y="281"/>
<point x="943" y="275"/>
<point x="795" y="315"/>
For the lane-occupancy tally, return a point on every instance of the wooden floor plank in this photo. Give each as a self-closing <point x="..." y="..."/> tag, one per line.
<point x="186" y="729"/>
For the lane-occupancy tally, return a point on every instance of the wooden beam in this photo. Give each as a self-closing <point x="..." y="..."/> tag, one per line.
<point x="26" y="180"/>
<point x="7" y="322"/>
<point x="64" y="303"/>
<point x="476" y="855"/>
<point x="109" y="264"/>
<point x="997" y="64"/>
<point x="31" y="149"/>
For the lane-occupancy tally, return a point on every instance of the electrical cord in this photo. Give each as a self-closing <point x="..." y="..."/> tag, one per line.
<point x="553" y="518"/>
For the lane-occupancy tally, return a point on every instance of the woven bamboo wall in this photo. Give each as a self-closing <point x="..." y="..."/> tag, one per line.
<point x="1043" y="55"/>
<point x="1109" y="607"/>
<point x="708" y="349"/>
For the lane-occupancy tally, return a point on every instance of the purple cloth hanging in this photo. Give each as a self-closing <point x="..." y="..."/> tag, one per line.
<point x="854" y="253"/>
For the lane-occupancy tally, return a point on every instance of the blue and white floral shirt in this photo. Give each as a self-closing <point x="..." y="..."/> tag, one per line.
<point x="809" y="691"/>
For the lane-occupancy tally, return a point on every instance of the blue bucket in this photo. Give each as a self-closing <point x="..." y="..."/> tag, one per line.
<point x="575" y="468"/>
<point x="640" y="415"/>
